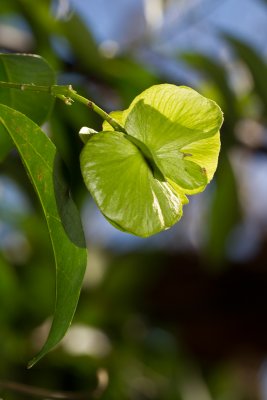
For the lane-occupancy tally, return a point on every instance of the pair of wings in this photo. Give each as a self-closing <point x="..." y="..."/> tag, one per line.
<point x="140" y="180"/>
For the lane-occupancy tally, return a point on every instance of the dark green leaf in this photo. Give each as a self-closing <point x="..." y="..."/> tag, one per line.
<point x="42" y="163"/>
<point x="6" y="143"/>
<point x="23" y="68"/>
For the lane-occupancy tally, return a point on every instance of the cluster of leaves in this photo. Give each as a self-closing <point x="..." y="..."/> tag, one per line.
<point x="139" y="176"/>
<point x="140" y="179"/>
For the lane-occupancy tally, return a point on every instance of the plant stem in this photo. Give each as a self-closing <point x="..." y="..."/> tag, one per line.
<point x="40" y="392"/>
<point x="75" y="96"/>
<point x="33" y="391"/>
<point x="68" y="95"/>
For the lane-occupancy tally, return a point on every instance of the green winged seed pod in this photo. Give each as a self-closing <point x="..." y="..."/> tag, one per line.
<point x="140" y="178"/>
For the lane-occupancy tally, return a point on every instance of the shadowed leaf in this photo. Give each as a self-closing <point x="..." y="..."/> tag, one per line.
<point x="41" y="161"/>
<point x="31" y="69"/>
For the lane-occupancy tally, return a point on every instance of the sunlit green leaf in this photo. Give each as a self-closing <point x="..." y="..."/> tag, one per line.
<point x="124" y="187"/>
<point x="44" y="168"/>
<point x="172" y="145"/>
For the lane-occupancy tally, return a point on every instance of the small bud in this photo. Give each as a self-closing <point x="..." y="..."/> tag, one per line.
<point x="86" y="133"/>
<point x="68" y="101"/>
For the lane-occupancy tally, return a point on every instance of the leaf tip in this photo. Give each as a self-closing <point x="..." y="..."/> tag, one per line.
<point x="31" y="363"/>
<point x="35" y="359"/>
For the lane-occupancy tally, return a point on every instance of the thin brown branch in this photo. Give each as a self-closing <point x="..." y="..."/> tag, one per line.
<point x="34" y="391"/>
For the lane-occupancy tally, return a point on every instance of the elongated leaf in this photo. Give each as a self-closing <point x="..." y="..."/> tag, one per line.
<point x="6" y="143"/>
<point x="174" y="136"/>
<point x="42" y="163"/>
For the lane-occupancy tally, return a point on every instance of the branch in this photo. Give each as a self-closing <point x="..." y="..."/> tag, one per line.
<point x="34" y="391"/>
<point x="67" y="94"/>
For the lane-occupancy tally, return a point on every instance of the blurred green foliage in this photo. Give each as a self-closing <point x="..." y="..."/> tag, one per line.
<point x="183" y="324"/>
